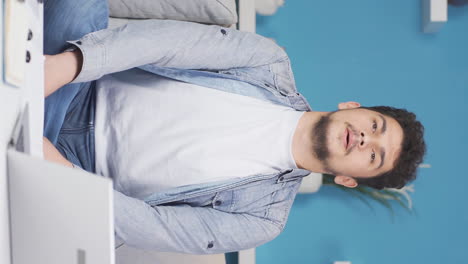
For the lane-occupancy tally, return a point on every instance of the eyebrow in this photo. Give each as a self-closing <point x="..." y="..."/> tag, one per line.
<point x="382" y="158"/>
<point x="382" y="150"/>
<point x="384" y="124"/>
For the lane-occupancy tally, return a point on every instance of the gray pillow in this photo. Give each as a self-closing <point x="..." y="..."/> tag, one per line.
<point x="219" y="12"/>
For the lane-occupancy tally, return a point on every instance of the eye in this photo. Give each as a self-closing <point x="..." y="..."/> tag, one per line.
<point x="374" y="126"/>
<point x="372" y="156"/>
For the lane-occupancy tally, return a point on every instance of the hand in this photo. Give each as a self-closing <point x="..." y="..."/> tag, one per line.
<point x="53" y="155"/>
<point x="61" y="69"/>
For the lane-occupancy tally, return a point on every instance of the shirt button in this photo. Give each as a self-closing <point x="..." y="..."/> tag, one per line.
<point x="28" y="56"/>
<point x="210" y="245"/>
<point x="223" y="31"/>
<point x="30" y="35"/>
<point x="218" y="203"/>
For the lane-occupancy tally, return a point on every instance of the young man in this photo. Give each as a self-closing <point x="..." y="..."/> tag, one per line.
<point x="202" y="129"/>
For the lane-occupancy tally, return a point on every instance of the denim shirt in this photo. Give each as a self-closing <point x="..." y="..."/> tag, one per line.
<point x="213" y="217"/>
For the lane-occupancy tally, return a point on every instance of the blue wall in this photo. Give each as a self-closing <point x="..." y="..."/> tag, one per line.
<point x="374" y="52"/>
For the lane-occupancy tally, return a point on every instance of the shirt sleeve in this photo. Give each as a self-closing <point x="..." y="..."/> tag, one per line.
<point x="186" y="229"/>
<point x="174" y="44"/>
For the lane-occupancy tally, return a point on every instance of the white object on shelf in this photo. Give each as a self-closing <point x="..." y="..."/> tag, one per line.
<point x="247" y="256"/>
<point x="311" y="183"/>
<point x="16" y="32"/>
<point x="434" y="15"/>
<point x="267" y="7"/>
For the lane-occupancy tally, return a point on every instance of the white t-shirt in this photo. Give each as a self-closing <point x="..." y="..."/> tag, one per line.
<point x="153" y="133"/>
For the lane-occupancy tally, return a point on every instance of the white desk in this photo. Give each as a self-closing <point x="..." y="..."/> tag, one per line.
<point x="12" y="99"/>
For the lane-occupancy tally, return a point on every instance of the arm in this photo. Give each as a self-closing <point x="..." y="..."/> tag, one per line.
<point x="60" y="69"/>
<point x="187" y="229"/>
<point x="52" y="154"/>
<point x="174" y="44"/>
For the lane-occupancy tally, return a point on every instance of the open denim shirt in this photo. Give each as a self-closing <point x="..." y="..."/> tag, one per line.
<point x="214" y="217"/>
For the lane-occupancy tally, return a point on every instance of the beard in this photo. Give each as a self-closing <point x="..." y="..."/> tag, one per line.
<point x="320" y="139"/>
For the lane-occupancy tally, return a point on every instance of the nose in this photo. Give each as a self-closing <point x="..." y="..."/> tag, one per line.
<point x="365" y="140"/>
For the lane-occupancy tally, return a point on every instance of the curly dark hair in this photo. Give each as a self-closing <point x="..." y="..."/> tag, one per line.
<point x="413" y="149"/>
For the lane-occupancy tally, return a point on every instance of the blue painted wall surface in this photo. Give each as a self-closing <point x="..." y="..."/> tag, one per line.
<point x="374" y="52"/>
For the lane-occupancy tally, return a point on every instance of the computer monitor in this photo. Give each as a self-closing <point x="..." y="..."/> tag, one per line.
<point x="58" y="214"/>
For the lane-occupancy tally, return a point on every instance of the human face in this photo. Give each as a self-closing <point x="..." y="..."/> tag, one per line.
<point x="359" y="143"/>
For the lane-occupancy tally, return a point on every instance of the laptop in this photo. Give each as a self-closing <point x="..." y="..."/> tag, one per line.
<point x="58" y="215"/>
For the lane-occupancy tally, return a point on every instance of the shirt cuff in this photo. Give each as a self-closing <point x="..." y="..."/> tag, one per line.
<point x="93" y="55"/>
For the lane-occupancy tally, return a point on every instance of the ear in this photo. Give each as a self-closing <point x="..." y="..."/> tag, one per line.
<point x="346" y="181"/>
<point x="348" y="105"/>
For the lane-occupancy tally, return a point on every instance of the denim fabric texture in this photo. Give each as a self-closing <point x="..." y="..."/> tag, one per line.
<point x="76" y="138"/>
<point x="208" y="218"/>
<point x="67" y="20"/>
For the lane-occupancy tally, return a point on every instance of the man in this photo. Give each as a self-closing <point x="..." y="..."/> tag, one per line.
<point x="202" y="129"/>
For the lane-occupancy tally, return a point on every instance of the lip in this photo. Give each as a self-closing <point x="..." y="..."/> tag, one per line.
<point x="351" y="140"/>
<point x="348" y="144"/>
<point x="345" y="135"/>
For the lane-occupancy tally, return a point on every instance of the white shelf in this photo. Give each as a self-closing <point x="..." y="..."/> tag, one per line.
<point x="246" y="14"/>
<point x="247" y="23"/>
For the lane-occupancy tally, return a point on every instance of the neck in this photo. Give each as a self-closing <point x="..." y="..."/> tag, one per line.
<point x="302" y="142"/>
